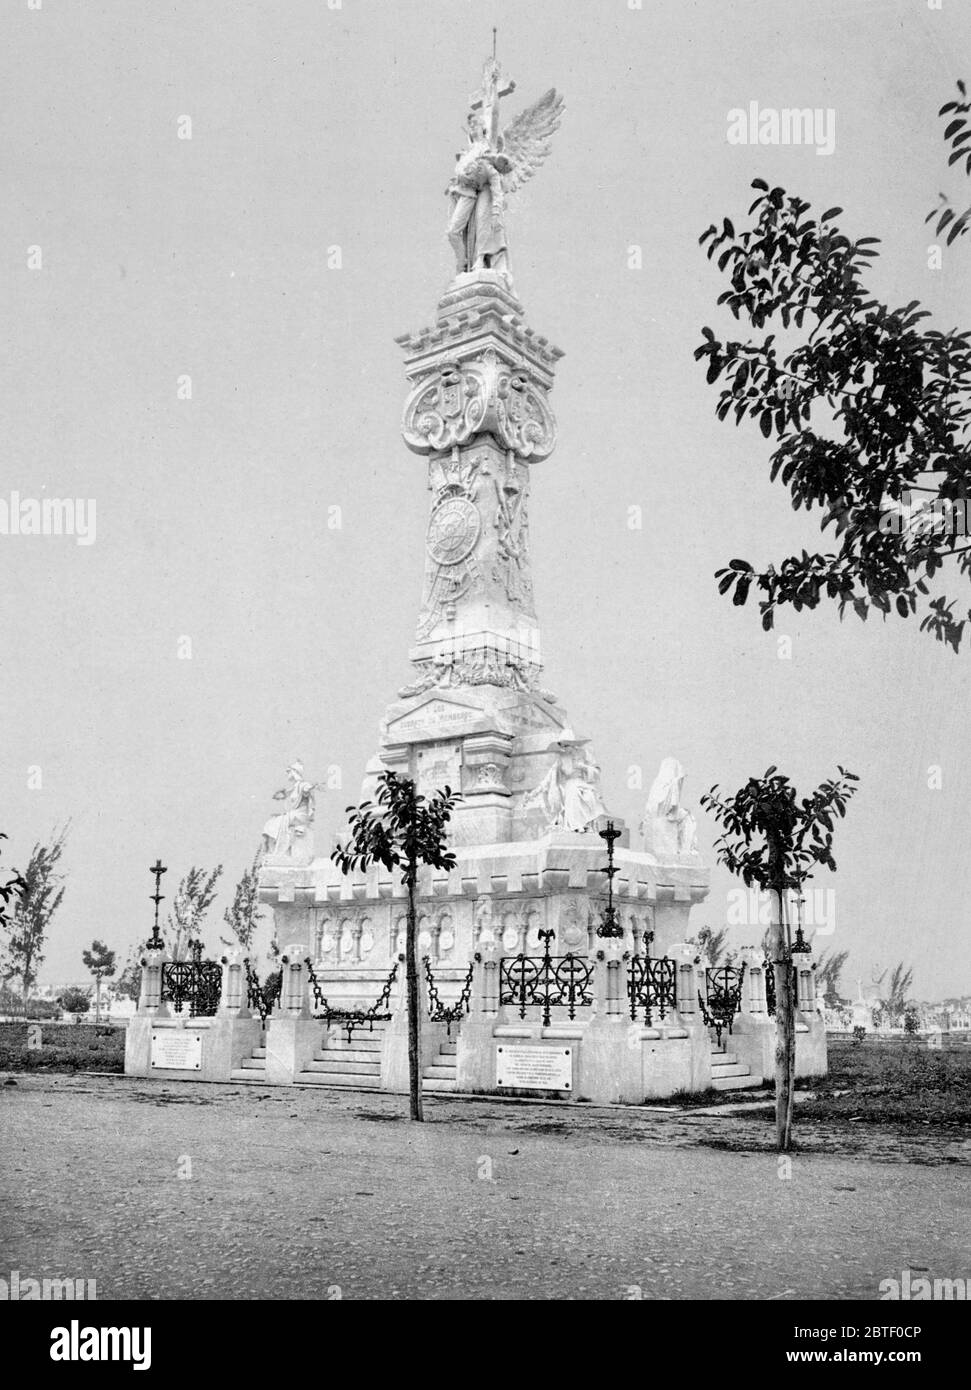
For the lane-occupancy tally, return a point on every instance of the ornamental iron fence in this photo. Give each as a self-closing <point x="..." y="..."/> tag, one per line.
<point x="652" y="985"/>
<point x="724" y="989"/>
<point x="194" y="981"/>
<point x="546" y="981"/>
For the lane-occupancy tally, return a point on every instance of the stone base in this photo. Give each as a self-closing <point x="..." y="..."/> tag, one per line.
<point x="225" y="1042"/>
<point x="290" y="1047"/>
<point x="753" y="1042"/>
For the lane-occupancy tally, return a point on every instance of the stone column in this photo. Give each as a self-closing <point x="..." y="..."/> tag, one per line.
<point x="610" y="963"/>
<point x="753" y="987"/>
<point x="233" y="1001"/>
<point x="150" y="993"/>
<point x="484" y="999"/>
<point x="294" y="1000"/>
<point x="688" y="985"/>
<point x="805" y="986"/>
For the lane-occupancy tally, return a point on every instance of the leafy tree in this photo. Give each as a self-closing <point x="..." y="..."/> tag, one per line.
<point x="129" y="983"/>
<point x="244" y="916"/>
<point x="829" y="968"/>
<point x="403" y="831"/>
<point x="894" y="999"/>
<point x="775" y="840"/>
<point x="711" y="943"/>
<point x="75" y="1001"/>
<point x="867" y="408"/>
<point x="41" y="894"/>
<point x="191" y="903"/>
<point x="101" y="963"/>
<point x="958" y="132"/>
<point x="12" y="888"/>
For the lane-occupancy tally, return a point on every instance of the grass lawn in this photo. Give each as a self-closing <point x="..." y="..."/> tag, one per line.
<point x="898" y="1079"/>
<point x="64" y="1047"/>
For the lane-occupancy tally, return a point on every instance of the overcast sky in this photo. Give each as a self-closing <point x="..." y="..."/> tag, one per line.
<point x="314" y="127"/>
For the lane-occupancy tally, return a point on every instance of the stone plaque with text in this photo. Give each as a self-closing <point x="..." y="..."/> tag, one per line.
<point x="534" y="1068"/>
<point x="174" y="1049"/>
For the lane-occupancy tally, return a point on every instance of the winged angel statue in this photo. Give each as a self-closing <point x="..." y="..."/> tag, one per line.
<point x="493" y="166"/>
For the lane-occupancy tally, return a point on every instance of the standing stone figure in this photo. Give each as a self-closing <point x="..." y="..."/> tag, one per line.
<point x="668" y="827"/>
<point x="569" y="794"/>
<point x="476" y="224"/>
<point x="289" y="832"/>
<point x="493" y="166"/>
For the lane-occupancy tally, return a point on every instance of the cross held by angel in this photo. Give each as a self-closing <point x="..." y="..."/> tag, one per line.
<point x="495" y="165"/>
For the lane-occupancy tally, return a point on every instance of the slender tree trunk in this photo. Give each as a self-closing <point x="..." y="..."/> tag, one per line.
<point x="97" y="998"/>
<point x="784" y="1005"/>
<point x="411" y="973"/>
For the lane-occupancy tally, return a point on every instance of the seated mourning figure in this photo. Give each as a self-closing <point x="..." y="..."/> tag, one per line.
<point x="568" y="797"/>
<point x="289" y="835"/>
<point x="669" y="828"/>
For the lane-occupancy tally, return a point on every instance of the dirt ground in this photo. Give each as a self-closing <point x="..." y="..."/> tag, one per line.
<point x="187" y="1190"/>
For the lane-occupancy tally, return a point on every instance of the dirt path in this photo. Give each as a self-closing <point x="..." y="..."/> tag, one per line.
<point x="161" y="1190"/>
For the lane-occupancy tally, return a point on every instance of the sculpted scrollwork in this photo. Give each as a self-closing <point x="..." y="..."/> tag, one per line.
<point x="486" y="395"/>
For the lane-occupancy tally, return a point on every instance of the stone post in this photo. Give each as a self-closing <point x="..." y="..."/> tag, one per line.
<point x="294" y="993"/>
<point x="811" y="1051"/>
<point x="234" y="1032"/>
<point x="394" y="1053"/>
<point x="753" y="988"/>
<point x="233" y="1002"/>
<point x="475" y="1052"/>
<point x="138" y="1034"/>
<point x="150" y="993"/>
<point x="484" y="1000"/>
<point x="292" y="1034"/>
<point x="609" y="966"/>
<point x="688" y="985"/>
<point x="805" y="987"/>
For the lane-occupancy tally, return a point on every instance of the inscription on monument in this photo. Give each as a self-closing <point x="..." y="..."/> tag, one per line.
<point x="535" y="1068"/>
<point x="176" y="1050"/>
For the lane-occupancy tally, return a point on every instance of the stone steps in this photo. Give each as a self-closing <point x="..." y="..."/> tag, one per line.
<point x="251" y="1068"/>
<point x="729" y="1074"/>
<point x="369" y="1055"/>
<point x="324" y="1063"/>
<point x="735" y="1083"/>
<point x="336" y="1078"/>
<point x="441" y="1072"/>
